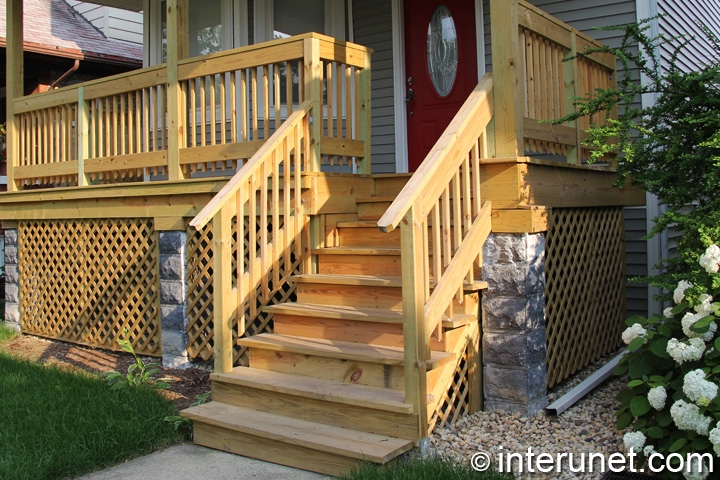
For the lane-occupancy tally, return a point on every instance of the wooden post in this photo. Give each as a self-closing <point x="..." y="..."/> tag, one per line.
<point x="314" y="93"/>
<point x="83" y="140"/>
<point x="366" y="115"/>
<point x="507" y="66"/>
<point x="177" y="49"/>
<point x="475" y="377"/>
<point x="15" y="85"/>
<point x="225" y="301"/>
<point x="413" y="300"/>
<point x="571" y="93"/>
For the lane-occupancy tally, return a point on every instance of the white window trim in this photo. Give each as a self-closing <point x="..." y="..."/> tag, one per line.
<point x="264" y="20"/>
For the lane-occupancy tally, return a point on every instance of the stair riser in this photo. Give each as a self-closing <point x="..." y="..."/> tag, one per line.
<point x="372" y="210"/>
<point x="380" y="265"/>
<point x="371" y="333"/>
<point x="268" y="450"/>
<point x="390" y="186"/>
<point x="337" y="414"/>
<point x="372" y="374"/>
<point x="369" y="297"/>
<point x="367" y="237"/>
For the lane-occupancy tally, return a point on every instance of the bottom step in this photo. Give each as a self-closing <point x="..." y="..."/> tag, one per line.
<point x="289" y="441"/>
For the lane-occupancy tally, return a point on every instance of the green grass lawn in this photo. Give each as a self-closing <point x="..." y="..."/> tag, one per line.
<point x="56" y="423"/>
<point x="432" y="468"/>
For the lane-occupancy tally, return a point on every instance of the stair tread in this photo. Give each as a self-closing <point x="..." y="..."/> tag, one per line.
<point x="371" y="280"/>
<point x="326" y="390"/>
<point x="380" y="315"/>
<point x="366" y="280"/>
<point x="375" y="199"/>
<point x="358" y="224"/>
<point x="312" y="435"/>
<point x="338" y="349"/>
<point x="357" y="251"/>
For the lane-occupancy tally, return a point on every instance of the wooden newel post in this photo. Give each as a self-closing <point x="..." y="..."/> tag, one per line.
<point x="83" y="139"/>
<point x="14" y="85"/>
<point x="225" y="306"/>
<point x="314" y="93"/>
<point x="365" y="130"/>
<point x="177" y="49"/>
<point x="507" y="69"/>
<point x="413" y="300"/>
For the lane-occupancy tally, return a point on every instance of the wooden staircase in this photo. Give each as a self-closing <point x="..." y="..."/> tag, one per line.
<point x="325" y="391"/>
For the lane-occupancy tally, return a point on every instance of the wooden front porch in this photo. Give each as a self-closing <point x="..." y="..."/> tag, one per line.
<point x="342" y="310"/>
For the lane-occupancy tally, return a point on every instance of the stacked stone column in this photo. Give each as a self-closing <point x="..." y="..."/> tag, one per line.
<point x="514" y="342"/>
<point x="173" y="303"/>
<point x="12" y="289"/>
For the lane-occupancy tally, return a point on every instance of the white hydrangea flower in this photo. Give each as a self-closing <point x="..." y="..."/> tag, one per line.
<point x="667" y="313"/>
<point x="697" y="388"/>
<point x="704" y="308"/>
<point x="690" y="319"/>
<point x="687" y="417"/>
<point x="685" y="352"/>
<point x="679" y="293"/>
<point x="633" y="332"/>
<point x="648" y="450"/>
<point x="696" y="470"/>
<point x="657" y="397"/>
<point x="710" y="260"/>
<point x="634" y="441"/>
<point x="714" y="437"/>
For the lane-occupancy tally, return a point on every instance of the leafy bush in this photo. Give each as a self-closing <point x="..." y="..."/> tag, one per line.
<point x="671" y="149"/>
<point x="672" y="400"/>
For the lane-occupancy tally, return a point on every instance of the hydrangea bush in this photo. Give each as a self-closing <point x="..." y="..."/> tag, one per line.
<point x="671" y="403"/>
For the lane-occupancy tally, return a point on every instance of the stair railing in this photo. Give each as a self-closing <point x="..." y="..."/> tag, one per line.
<point x="267" y="189"/>
<point x="443" y="226"/>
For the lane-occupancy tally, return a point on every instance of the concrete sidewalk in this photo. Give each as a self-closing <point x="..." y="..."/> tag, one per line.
<point x="192" y="462"/>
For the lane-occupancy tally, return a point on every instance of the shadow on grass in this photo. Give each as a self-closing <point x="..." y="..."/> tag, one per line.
<point x="56" y="423"/>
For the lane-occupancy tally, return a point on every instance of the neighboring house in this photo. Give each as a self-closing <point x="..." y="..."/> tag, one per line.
<point x="114" y="23"/>
<point x="378" y="303"/>
<point x="62" y="47"/>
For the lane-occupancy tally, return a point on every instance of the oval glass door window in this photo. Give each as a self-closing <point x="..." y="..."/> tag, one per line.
<point x="442" y="50"/>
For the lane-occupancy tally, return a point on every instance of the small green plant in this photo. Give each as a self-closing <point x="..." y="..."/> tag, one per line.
<point x="183" y="425"/>
<point x="138" y="374"/>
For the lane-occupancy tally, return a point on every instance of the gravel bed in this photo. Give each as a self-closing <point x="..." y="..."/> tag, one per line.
<point x="586" y="427"/>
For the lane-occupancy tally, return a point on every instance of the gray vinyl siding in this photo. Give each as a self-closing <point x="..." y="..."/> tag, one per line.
<point x="112" y="22"/>
<point x="372" y="24"/>
<point x="586" y="15"/>
<point x="679" y="18"/>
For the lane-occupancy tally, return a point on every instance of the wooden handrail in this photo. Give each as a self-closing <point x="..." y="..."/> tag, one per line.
<point x="433" y="174"/>
<point x="250" y="168"/>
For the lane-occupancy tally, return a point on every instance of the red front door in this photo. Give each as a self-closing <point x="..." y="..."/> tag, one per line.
<point x="441" y="68"/>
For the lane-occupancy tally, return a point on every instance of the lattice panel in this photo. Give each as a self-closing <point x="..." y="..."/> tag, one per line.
<point x="455" y="404"/>
<point x="200" y="295"/>
<point x="85" y="281"/>
<point x="585" y="287"/>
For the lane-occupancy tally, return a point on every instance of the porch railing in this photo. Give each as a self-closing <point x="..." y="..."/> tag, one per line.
<point x="120" y="128"/>
<point x="534" y="84"/>
<point x="266" y="192"/>
<point x="443" y="227"/>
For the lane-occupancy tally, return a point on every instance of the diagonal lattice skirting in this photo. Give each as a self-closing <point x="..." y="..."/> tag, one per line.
<point x="585" y="287"/>
<point x="85" y="281"/>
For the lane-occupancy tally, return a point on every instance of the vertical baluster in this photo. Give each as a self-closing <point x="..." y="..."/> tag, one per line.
<point x="252" y="241"/>
<point x="203" y="113"/>
<point x="223" y="110"/>
<point x="289" y="87"/>
<point x="255" y="99"/>
<point x="213" y="107"/>
<point x="287" y="220"/>
<point x="192" y="88"/>
<point x="302" y="152"/>
<point x="233" y="110"/>
<point x="531" y="71"/>
<point x="242" y="290"/>
<point x="436" y="226"/>
<point x="266" y="102"/>
<point x="243" y="106"/>
<point x="276" y="94"/>
<point x="275" y="206"/>
<point x="263" y="226"/>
